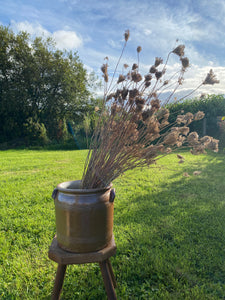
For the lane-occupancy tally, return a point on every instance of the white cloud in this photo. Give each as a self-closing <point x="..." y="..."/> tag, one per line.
<point x="65" y="39"/>
<point x="165" y="23"/>
<point x="32" y="28"/>
<point x="147" y="31"/>
<point x="114" y="44"/>
<point x="195" y="76"/>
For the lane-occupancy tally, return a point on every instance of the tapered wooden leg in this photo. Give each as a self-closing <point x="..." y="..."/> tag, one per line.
<point x="58" y="281"/>
<point x="111" y="272"/>
<point x="108" y="282"/>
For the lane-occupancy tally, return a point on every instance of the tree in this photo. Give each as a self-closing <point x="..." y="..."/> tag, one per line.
<point x="40" y="82"/>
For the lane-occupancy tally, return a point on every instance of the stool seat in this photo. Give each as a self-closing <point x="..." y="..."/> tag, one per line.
<point x="64" y="258"/>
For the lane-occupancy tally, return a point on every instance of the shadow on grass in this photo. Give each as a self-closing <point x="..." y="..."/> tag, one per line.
<point x="172" y="241"/>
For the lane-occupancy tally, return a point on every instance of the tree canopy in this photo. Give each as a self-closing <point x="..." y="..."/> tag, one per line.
<point x="40" y="87"/>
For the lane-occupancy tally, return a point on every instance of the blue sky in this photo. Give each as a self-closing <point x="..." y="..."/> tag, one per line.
<point x="95" y="29"/>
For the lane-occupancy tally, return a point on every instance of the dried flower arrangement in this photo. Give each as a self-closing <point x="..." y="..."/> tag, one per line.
<point x="133" y="130"/>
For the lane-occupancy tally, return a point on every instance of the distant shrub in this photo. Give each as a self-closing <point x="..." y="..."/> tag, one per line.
<point x="35" y="133"/>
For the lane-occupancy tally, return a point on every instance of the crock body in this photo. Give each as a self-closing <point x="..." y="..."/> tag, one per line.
<point x="84" y="218"/>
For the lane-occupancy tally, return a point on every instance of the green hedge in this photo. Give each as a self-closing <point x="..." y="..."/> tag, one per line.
<point x="212" y="105"/>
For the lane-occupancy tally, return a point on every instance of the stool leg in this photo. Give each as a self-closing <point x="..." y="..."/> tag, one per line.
<point x="111" y="272"/>
<point x="58" y="281"/>
<point x="106" y="275"/>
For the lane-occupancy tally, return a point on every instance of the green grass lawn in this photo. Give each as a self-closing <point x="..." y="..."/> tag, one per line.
<point x="169" y="229"/>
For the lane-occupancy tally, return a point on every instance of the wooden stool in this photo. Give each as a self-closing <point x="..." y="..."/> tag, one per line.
<point x="64" y="258"/>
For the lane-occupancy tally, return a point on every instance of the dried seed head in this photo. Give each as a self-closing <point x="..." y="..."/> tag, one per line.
<point x="121" y="78"/>
<point x="185" y="119"/>
<point x="134" y="67"/>
<point x="180" y="119"/>
<point x="164" y="123"/>
<point x="124" y="93"/>
<point x="154" y="128"/>
<point x="132" y="96"/>
<point x="150" y="153"/>
<point x="179" y="50"/>
<point x="180" y="80"/>
<point x="171" y="138"/>
<point x="155" y="104"/>
<point x="161" y="148"/>
<point x="96" y="108"/>
<point x="133" y="93"/>
<point x="163" y="114"/>
<point x="125" y="66"/>
<point x="185" y="62"/>
<point x="147" y="114"/>
<point x="168" y="150"/>
<point x="153" y="69"/>
<point x="158" y="61"/>
<point x="104" y="68"/>
<point x="134" y="135"/>
<point x="147" y="84"/>
<point x="188" y="117"/>
<point x="210" y="78"/>
<point x="203" y="95"/>
<point x="135" y="117"/>
<point x="140" y="103"/>
<point x="193" y="135"/>
<point x="186" y="174"/>
<point x="165" y="82"/>
<point x="196" y="173"/>
<point x="199" y="115"/>
<point x="205" y="140"/>
<point x="175" y="129"/>
<point x="154" y="95"/>
<point x="126" y="35"/>
<point x="117" y="93"/>
<point x="180" y="140"/>
<point x="148" y="77"/>
<point x="106" y="77"/>
<point x="213" y="145"/>
<point x="136" y="77"/>
<point x="184" y="130"/>
<point x="158" y="74"/>
<point x="198" y="149"/>
<point x="139" y="49"/>
<point x="192" y="139"/>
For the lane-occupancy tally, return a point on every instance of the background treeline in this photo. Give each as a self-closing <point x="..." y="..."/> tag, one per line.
<point x="41" y="90"/>
<point x="45" y="96"/>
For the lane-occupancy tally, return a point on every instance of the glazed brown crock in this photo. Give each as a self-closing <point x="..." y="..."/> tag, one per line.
<point x="84" y="218"/>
